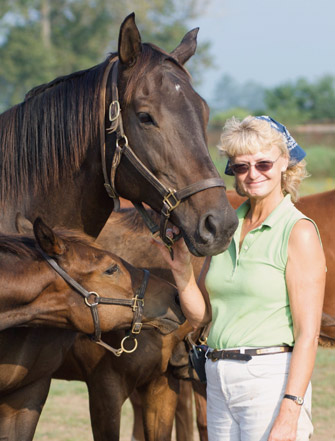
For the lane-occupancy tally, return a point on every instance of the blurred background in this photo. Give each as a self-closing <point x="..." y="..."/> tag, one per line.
<point x="259" y="57"/>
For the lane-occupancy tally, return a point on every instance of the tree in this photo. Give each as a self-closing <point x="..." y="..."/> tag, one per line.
<point x="300" y="101"/>
<point x="42" y="39"/>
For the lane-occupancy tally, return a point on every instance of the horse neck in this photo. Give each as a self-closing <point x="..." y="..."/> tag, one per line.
<point x="78" y="201"/>
<point x="68" y="191"/>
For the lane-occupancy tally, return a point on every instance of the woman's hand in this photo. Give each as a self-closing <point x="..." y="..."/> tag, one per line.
<point x="191" y="298"/>
<point x="181" y="266"/>
<point x="286" y="423"/>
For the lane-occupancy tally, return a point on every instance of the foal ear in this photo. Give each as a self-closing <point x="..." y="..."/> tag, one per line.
<point x="50" y="243"/>
<point x="130" y="46"/>
<point x="187" y="47"/>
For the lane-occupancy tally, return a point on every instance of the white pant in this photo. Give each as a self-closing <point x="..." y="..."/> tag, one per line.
<point x="243" y="398"/>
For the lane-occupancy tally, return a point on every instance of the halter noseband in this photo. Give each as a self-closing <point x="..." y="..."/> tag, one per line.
<point x="93" y="299"/>
<point x="171" y="197"/>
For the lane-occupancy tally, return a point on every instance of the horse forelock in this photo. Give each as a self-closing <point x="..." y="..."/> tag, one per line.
<point x="45" y="138"/>
<point x="151" y="56"/>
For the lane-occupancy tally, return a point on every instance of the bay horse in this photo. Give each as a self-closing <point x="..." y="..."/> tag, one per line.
<point x="57" y="159"/>
<point x="154" y="370"/>
<point x="34" y="292"/>
<point x="132" y="125"/>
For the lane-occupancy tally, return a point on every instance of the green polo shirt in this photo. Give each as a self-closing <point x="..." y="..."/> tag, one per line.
<point x="247" y="288"/>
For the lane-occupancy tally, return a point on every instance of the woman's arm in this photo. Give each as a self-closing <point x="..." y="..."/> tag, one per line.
<point x="305" y="278"/>
<point x="194" y="301"/>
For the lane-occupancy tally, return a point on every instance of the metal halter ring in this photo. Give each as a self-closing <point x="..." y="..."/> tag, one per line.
<point x="92" y="293"/>
<point x="122" y="141"/>
<point x="128" y="351"/>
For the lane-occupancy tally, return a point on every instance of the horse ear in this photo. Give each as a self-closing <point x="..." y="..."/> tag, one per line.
<point x="23" y="225"/>
<point x="130" y="45"/>
<point x="187" y="47"/>
<point x="50" y="243"/>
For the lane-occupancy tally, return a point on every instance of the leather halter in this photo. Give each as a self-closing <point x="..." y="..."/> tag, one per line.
<point x="93" y="299"/>
<point x="171" y="197"/>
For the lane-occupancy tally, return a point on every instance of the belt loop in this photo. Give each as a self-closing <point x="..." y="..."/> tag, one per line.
<point x="242" y="351"/>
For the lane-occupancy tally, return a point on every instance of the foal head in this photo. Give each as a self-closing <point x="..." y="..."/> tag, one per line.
<point x="34" y="294"/>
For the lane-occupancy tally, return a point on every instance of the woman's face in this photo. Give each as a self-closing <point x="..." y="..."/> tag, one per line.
<point x="257" y="183"/>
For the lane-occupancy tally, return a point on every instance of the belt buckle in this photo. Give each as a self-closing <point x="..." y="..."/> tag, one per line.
<point x="213" y="358"/>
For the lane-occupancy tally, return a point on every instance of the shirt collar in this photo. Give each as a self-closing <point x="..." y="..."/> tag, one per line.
<point x="273" y="217"/>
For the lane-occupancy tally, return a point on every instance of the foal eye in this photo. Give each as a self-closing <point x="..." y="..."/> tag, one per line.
<point x="111" y="270"/>
<point x="145" y="118"/>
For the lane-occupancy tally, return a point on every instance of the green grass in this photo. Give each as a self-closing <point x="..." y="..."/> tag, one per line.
<point x="323" y="382"/>
<point x="66" y="417"/>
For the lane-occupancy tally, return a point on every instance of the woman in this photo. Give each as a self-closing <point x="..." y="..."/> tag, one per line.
<point x="264" y="294"/>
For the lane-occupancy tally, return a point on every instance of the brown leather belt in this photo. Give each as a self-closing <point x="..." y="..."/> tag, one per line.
<point x="246" y="354"/>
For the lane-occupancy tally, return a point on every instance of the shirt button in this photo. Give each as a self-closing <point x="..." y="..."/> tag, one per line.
<point x="246" y="247"/>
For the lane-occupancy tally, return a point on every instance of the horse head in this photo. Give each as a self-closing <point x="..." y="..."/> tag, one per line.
<point x="134" y="120"/>
<point x="91" y="278"/>
<point x="164" y="122"/>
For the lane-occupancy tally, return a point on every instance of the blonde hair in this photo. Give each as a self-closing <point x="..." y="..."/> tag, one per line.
<point x="254" y="135"/>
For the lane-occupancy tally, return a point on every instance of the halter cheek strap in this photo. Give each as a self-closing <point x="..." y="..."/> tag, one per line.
<point x="171" y="197"/>
<point x="93" y="299"/>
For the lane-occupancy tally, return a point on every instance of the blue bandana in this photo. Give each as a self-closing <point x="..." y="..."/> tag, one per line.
<point x="296" y="152"/>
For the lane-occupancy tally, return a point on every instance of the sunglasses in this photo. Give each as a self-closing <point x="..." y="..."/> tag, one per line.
<point x="240" y="168"/>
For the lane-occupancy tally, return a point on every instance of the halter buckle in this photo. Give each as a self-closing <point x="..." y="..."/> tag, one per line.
<point x="136" y="329"/>
<point x="173" y="202"/>
<point x="137" y="303"/>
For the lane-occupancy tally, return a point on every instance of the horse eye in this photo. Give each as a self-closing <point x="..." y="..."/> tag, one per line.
<point x="145" y="118"/>
<point x="112" y="270"/>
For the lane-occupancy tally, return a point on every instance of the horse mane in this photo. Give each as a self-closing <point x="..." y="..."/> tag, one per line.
<point x="53" y="126"/>
<point x="26" y="245"/>
<point x="19" y="245"/>
<point x="56" y="123"/>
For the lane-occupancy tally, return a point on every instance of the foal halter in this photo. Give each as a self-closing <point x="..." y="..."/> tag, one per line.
<point x="93" y="299"/>
<point x="171" y="197"/>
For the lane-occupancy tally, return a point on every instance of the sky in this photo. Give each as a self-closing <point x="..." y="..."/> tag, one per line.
<point x="267" y="41"/>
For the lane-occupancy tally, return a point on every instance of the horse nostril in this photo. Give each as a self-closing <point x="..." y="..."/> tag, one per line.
<point x="208" y="227"/>
<point x="176" y="299"/>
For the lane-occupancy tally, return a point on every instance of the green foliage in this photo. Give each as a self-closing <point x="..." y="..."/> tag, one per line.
<point x="42" y="39"/>
<point x="291" y="103"/>
<point x="320" y="161"/>
<point x="301" y="101"/>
